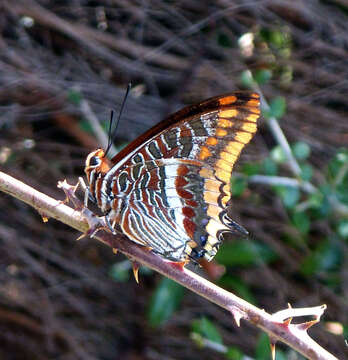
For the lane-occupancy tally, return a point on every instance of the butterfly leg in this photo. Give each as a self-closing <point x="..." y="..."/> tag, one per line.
<point x="92" y="219"/>
<point x="109" y="225"/>
<point x="85" y="189"/>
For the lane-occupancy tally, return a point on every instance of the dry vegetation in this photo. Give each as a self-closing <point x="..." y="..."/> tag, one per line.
<point x="56" y="297"/>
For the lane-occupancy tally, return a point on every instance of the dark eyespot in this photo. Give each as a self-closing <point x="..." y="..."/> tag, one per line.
<point x="94" y="161"/>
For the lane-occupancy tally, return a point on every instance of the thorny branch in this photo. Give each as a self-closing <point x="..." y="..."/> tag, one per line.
<point x="278" y="325"/>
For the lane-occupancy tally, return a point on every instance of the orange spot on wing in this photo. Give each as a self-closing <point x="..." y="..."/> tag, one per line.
<point x="205" y="153"/>
<point x="228" y="100"/>
<point x="212" y="141"/>
<point x="221" y="132"/>
<point x="254" y="103"/>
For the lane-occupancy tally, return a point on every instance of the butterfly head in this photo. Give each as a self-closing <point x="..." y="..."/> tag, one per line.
<point x="96" y="165"/>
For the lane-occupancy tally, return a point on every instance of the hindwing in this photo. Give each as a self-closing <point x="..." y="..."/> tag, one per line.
<point x="176" y="177"/>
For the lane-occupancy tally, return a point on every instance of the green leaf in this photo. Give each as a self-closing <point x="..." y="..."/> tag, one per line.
<point x="234" y="353"/>
<point x="301" y="150"/>
<point x="250" y="169"/>
<point x="316" y="200"/>
<point x="306" y="172"/>
<point x="207" y="329"/>
<point x="339" y="160"/>
<point x="321" y="199"/>
<point x="341" y="193"/>
<point x="280" y="355"/>
<point x="278" y="41"/>
<point x="120" y="271"/>
<point x="263" y="349"/>
<point x="301" y="221"/>
<point x="262" y="76"/>
<point x="165" y="300"/>
<point x="86" y="126"/>
<point x="342" y="229"/>
<point x="278" y="155"/>
<point x="74" y="96"/>
<point x="277" y="107"/>
<point x="289" y="195"/>
<point x="327" y="256"/>
<point x="278" y="38"/>
<point x="345" y="331"/>
<point x="270" y="167"/>
<point x="246" y="78"/>
<point x="238" y="185"/>
<point x="244" y="253"/>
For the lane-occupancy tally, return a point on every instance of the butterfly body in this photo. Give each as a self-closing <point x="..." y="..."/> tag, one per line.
<point x="168" y="190"/>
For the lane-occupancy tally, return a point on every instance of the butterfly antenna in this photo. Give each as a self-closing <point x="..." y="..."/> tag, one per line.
<point x="109" y="132"/>
<point x="112" y="135"/>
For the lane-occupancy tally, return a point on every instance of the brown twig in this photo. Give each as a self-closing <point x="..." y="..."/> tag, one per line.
<point x="83" y="36"/>
<point x="278" y="326"/>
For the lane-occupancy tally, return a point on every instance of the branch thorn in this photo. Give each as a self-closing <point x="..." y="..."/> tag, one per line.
<point x="305" y="326"/>
<point x="237" y="314"/>
<point x="136" y="266"/>
<point x="69" y="191"/>
<point x="287" y="322"/>
<point x="273" y="342"/>
<point x="81" y="236"/>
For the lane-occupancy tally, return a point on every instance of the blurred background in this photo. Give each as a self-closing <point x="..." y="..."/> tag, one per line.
<point x="64" y="64"/>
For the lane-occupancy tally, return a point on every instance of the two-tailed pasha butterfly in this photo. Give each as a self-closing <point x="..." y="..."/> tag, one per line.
<point x="169" y="189"/>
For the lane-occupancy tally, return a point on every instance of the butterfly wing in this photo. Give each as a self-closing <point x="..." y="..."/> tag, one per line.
<point x="175" y="179"/>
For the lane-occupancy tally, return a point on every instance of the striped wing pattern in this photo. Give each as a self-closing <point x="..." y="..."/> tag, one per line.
<point x="169" y="190"/>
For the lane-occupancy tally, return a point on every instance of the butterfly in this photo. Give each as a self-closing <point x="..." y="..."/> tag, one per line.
<point x="169" y="189"/>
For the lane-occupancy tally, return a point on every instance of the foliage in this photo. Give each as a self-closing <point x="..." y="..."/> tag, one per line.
<point x="164" y="301"/>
